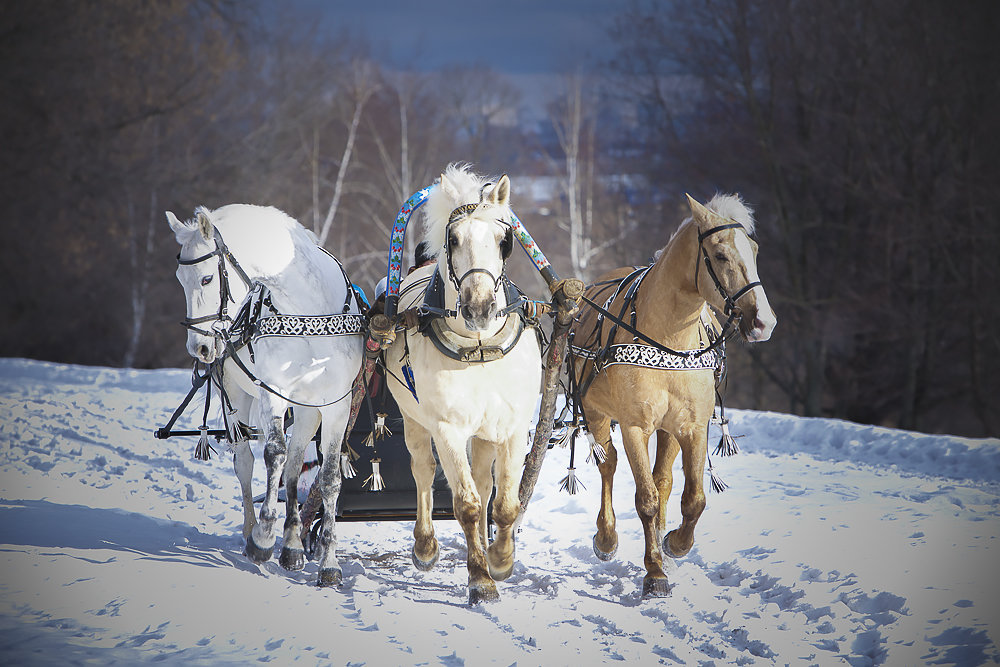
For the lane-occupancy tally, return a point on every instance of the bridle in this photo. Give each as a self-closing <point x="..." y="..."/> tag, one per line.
<point x="730" y="300"/>
<point x="505" y="249"/>
<point x="218" y="329"/>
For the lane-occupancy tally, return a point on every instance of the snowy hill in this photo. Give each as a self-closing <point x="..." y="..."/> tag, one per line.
<point x="836" y="544"/>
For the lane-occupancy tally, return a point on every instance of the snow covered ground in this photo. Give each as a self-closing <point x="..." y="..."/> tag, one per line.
<point x="836" y="544"/>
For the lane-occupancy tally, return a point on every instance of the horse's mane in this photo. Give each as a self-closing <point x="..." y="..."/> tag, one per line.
<point x="274" y="216"/>
<point x="728" y="206"/>
<point x="440" y="203"/>
<point x="733" y="207"/>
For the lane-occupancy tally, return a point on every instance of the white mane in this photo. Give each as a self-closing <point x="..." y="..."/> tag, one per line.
<point x="734" y="208"/>
<point x="463" y="187"/>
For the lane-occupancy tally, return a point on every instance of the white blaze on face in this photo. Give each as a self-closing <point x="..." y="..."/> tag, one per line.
<point x="766" y="319"/>
<point x="478" y="248"/>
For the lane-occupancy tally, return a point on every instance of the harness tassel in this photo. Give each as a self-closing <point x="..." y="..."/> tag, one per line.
<point x="203" y="450"/>
<point x="381" y="430"/>
<point x="408" y="376"/>
<point x="559" y="436"/>
<point x="375" y="481"/>
<point x="570" y="483"/>
<point x="727" y="443"/>
<point x="597" y="451"/>
<point x="718" y="485"/>
<point x="347" y="471"/>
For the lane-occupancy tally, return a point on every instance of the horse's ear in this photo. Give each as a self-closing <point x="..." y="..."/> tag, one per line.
<point x="448" y="188"/>
<point x="204" y="223"/>
<point x="500" y="194"/>
<point x="181" y="231"/>
<point x="700" y="213"/>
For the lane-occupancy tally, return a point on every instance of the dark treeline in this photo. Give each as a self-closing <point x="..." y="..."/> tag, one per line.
<point x="862" y="133"/>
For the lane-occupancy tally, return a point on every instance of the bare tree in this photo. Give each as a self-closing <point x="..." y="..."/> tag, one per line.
<point x="839" y="122"/>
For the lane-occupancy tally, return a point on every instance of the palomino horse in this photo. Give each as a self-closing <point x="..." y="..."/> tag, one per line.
<point x="298" y="344"/>
<point x="667" y="389"/>
<point x="473" y="377"/>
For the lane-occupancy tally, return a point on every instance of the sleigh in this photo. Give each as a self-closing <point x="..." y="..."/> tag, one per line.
<point x="396" y="501"/>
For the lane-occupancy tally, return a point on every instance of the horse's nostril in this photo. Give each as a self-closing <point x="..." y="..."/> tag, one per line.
<point x="467" y="312"/>
<point x="203" y="351"/>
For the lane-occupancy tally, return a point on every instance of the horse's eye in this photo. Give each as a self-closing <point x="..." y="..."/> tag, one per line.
<point x="206" y="280"/>
<point x="453" y="240"/>
<point x="722" y="258"/>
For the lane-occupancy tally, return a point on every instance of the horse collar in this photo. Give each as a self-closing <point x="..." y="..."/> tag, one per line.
<point x="451" y="343"/>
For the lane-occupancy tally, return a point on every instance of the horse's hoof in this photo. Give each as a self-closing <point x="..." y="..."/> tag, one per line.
<point x="673" y="553"/>
<point x="499" y="571"/>
<point x="480" y="593"/>
<point x="655" y="587"/>
<point x="330" y="576"/>
<point x="292" y="560"/>
<point x="426" y="565"/>
<point x="498" y="574"/>
<point x="257" y="554"/>
<point x="604" y="555"/>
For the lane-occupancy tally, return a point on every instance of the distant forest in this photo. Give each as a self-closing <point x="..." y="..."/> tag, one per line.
<point x="864" y="134"/>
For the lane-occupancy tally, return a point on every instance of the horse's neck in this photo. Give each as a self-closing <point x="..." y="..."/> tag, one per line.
<point x="668" y="305"/>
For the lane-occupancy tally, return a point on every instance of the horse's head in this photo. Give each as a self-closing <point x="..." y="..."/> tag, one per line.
<point x="201" y="272"/>
<point x="726" y="270"/>
<point x="477" y="239"/>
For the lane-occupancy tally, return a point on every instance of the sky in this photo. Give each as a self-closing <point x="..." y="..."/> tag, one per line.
<point x="513" y="37"/>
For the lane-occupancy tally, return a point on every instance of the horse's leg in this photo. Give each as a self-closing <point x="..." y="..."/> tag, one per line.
<point x="332" y="436"/>
<point x="694" y="446"/>
<point x="606" y="539"/>
<point x="667" y="449"/>
<point x="506" y="505"/>
<point x="483" y="456"/>
<point x="242" y="454"/>
<point x="647" y="505"/>
<point x="243" y="464"/>
<point x="423" y="466"/>
<point x="260" y="543"/>
<point x="468" y="509"/>
<point x="293" y="555"/>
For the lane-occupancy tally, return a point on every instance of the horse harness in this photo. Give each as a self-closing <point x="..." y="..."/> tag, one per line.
<point x="250" y="324"/>
<point x="432" y="314"/>
<point x="650" y="353"/>
<point x="429" y="316"/>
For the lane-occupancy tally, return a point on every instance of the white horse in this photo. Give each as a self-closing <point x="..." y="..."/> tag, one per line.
<point x="477" y="408"/>
<point x="305" y="349"/>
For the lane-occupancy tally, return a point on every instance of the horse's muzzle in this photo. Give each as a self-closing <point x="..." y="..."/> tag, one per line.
<point x="480" y="316"/>
<point x="202" y="348"/>
<point x="756" y="325"/>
